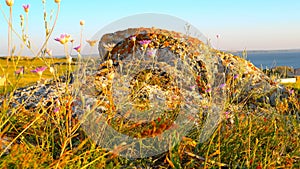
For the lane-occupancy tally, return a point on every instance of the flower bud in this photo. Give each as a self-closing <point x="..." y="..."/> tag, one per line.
<point x="82" y="22"/>
<point x="9" y="2"/>
<point x="26" y="8"/>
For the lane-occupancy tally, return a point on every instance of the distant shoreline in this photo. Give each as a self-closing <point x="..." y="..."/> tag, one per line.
<point x="229" y="51"/>
<point x="263" y="51"/>
<point x="260" y="58"/>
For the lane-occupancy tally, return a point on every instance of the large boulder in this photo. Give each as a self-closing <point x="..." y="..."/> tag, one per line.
<point x="244" y="81"/>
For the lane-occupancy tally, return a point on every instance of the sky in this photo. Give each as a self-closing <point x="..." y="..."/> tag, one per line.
<point x="240" y="24"/>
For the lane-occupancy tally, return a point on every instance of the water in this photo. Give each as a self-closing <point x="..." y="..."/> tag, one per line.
<point x="269" y="59"/>
<point x="272" y="58"/>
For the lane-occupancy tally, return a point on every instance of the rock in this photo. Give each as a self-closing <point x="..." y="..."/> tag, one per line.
<point x="242" y="73"/>
<point x="41" y="93"/>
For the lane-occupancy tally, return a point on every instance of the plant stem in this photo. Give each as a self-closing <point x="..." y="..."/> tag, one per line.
<point x="81" y="31"/>
<point x="15" y="32"/>
<point x="9" y="34"/>
<point x="51" y="31"/>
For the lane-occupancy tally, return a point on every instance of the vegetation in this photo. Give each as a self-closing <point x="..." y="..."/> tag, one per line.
<point x="263" y="136"/>
<point x="295" y="86"/>
<point x="16" y="80"/>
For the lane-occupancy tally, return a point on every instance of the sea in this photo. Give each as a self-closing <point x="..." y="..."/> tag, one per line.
<point x="273" y="58"/>
<point x="269" y="58"/>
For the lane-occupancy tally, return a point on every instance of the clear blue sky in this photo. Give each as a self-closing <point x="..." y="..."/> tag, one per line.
<point x="251" y="24"/>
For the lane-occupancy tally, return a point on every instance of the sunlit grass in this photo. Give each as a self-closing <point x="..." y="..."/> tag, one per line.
<point x="296" y="85"/>
<point x="29" y="78"/>
<point x="252" y="134"/>
<point x="263" y="137"/>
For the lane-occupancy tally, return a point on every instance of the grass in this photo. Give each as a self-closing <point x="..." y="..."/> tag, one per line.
<point x="295" y="86"/>
<point x="29" y="78"/>
<point x="251" y="134"/>
<point x="259" y="138"/>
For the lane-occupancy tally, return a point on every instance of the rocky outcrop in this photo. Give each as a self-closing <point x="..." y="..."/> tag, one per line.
<point x="244" y="80"/>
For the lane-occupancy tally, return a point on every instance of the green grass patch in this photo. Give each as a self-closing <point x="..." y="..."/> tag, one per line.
<point x="295" y="86"/>
<point x="8" y="69"/>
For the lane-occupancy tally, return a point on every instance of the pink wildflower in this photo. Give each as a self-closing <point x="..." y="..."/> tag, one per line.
<point x="227" y="115"/>
<point x="193" y="87"/>
<point x="152" y="53"/>
<point x="78" y="48"/>
<point x="26" y="8"/>
<point x="56" y="110"/>
<point x="20" y="71"/>
<point x="145" y="43"/>
<point x="64" y="38"/>
<point x="49" y="52"/>
<point x="39" y="70"/>
<point x="133" y="38"/>
<point x="222" y="86"/>
<point x="208" y="90"/>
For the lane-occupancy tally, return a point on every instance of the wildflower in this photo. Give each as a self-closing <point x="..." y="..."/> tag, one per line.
<point x="20" y="71"/>
<point x="56" y="110"/>
<point x="26" y="8"/>
<point x="236" y="76"/>
<point x="82" y="22"/>
<point x="64" y="38"/>
<point x="91" y="42"/>
<point x="51" y="70"/>
<point x="152" y="53"/>
<point x="227" y="114"/>
<point x="133" y="38"/>
<point x="144" y="43"/>
<point x="9" y="2"/>
<point x="22" y="17"/>
<point x="69" y="59"/>
<point x="110" y="76"/>
<point x="208" y="90"/>
<point x="39" y="70"/>
<point x="109" y="47"/>
<point x="78" y="48"/>
<point x="291" y="91"/>
<point x="49" y="52"/>
<point x="57" y="1"/>
<point x="193" y="87"/>
<point x="222" y="86"/>
<point x="2" y="80"/>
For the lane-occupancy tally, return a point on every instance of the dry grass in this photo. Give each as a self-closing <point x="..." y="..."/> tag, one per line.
<point x="29" y="78"/>
<point x="251" y="134"/>
<point x="251" y="138"/>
